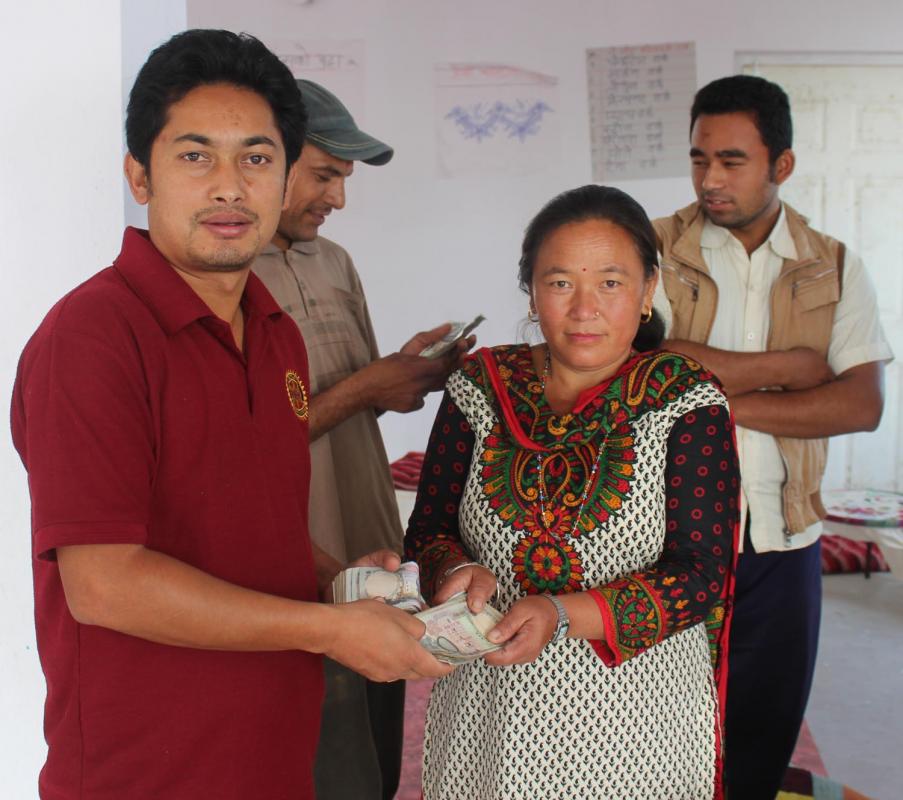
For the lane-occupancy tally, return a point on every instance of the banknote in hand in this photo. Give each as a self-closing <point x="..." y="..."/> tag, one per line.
<point x="459" y="330"/>
<point x="400" y="589"/>
<point x="454" y="634"/>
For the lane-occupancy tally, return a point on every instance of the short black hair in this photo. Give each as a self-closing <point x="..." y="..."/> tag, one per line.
<point x="764" y="101"/>
<point x="594" y="202"/>
<point x="201" y="57"/>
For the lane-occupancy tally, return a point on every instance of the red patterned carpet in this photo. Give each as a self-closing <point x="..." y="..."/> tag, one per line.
<point x="416" y="695"/>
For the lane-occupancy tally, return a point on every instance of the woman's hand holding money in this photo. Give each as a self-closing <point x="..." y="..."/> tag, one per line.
<point x="463" y="576"/>
<point x="531" y="623"/>
<point x="526" y="629"/>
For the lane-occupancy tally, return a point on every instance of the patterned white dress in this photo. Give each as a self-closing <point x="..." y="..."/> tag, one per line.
<point x="635" y="716"/>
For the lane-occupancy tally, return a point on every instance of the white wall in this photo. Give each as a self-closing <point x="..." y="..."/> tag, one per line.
<point x="427" y="249"/>
<point x="61" y="206"/>
<point x="144" y="27"/>
<point x="430" y="249"/>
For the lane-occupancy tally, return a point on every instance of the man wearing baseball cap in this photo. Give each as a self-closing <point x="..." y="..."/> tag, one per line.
<point x="352" y="500"/>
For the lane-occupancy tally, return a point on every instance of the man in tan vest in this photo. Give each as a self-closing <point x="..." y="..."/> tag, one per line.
<point x="787" y="319"/>
<point x="352" y="500"/>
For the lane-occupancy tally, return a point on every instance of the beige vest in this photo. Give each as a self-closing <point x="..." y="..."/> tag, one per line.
<point x="803" y="300"/>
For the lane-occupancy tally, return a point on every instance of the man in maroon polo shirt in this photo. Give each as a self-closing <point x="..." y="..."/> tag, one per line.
<point x="161" y="412"/>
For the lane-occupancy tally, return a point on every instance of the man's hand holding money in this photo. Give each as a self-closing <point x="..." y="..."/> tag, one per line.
<point x="372" y="637"/>
<point x="454" y="632"/>
<point x="381" y="642"/>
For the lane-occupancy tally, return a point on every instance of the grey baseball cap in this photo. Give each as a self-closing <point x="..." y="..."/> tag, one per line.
<point x="331" y="127"/>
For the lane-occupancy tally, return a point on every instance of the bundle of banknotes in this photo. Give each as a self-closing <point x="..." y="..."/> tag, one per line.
<point x="453" y="634"/>
<point x="458" y="331"/>
<point x="400" y="589"/>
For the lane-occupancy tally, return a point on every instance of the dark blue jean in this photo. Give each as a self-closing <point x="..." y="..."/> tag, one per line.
<point x="773" y="643"/>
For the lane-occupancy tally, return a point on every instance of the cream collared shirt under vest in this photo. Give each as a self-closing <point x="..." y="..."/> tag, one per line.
<point x="741" y="324"/>
<point x="353" y="510"/>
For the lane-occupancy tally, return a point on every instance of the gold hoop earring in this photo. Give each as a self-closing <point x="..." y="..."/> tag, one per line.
<point x="646" y="316"/>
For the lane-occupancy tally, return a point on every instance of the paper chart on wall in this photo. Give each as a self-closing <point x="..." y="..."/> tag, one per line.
<point x="494" y="119"/>
<point x="336" y="65"/>
<point x="639" y="109"/>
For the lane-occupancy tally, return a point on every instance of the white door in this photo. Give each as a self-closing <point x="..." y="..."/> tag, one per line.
<point x="848" y="140"/>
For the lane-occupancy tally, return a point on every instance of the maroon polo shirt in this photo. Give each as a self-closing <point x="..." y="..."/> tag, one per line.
<point x="139" y="421"/>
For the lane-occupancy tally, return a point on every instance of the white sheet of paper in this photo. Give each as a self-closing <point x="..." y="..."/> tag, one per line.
<point x="495" y="119"/>
<point x="336" y="64"/>
<point x="639" y="108"/>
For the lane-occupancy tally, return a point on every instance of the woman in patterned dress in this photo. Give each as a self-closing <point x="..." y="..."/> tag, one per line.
<point x="590" y="480"/>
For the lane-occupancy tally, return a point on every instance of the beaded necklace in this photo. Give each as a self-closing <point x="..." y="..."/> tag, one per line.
<point x="547" y="515"/>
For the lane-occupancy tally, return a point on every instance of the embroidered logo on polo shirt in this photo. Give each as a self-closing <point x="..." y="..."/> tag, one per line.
<point x="297" y="394"/>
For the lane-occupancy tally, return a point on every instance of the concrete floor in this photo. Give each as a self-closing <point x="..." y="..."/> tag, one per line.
<point x="855" y="711"/>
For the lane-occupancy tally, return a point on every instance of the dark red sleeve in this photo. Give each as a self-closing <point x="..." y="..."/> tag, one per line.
<point x="82" y="424"/>
<point x="432" y="536"/>
<point x="687" y="584"/>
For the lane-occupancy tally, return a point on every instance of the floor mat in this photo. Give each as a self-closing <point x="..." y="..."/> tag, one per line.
<point x="800" y="784"/>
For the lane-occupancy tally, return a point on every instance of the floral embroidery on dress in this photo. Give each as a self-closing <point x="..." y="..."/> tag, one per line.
<point x="567" y="452"/>
<point x="542" y="563"/>
<point x="503" y="484"/>
<point x="638" y="615"/>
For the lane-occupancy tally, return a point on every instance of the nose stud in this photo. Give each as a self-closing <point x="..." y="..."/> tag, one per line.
<point x="596" y="314"/>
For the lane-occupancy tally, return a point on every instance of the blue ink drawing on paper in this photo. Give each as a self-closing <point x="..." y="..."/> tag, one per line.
<point x="519" y="119"/>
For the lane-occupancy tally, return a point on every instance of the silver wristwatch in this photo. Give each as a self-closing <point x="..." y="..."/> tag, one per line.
<point x="564" y="621"/>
